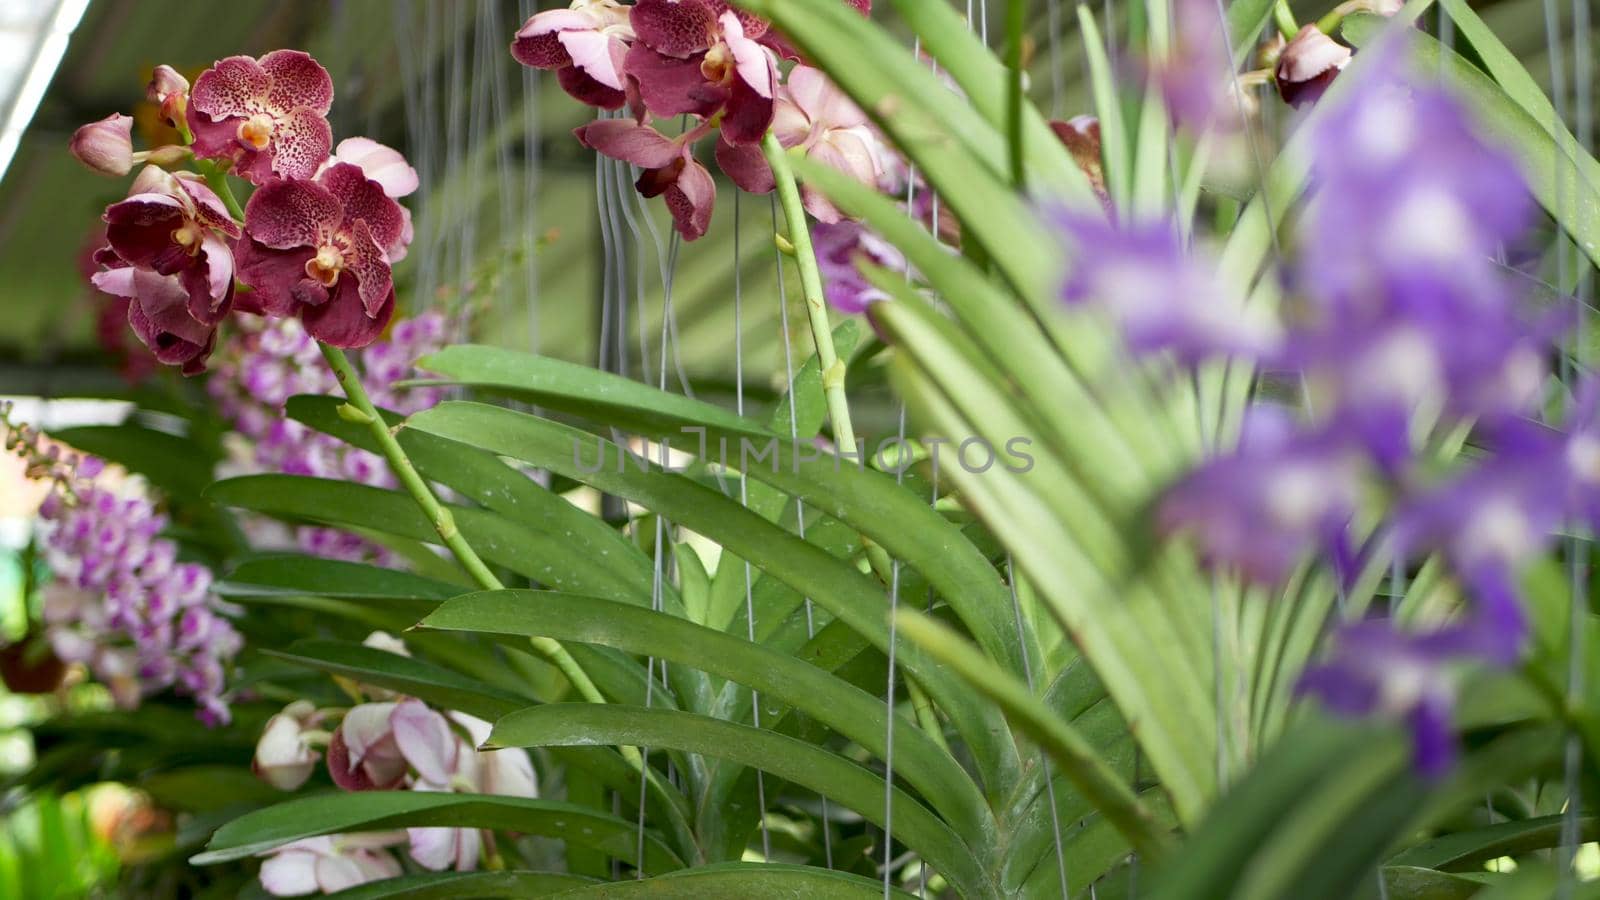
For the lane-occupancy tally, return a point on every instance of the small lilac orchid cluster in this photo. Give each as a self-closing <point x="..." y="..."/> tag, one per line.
<point x="119" y="601"/>
<point x="389" y="743"/>
<point x="1403" y="327"/>
<point x="315" y="241"/>
<point x="266" y="362"/>
<point x="703" y="60"/>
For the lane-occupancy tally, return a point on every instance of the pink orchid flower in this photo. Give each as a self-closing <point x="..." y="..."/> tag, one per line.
<point x="445" y="761"/>
<point x="269" y="115"/>
<point x="671" y="171"/>
<point x="689" y="59"/>
<point x="814" y="115"/>
<point x="172" y="224"/>
<point x="321" y="250"/>
<point x="364" y="754"/>
<point x="330" y="863"/>
<point x="585" y="45"/>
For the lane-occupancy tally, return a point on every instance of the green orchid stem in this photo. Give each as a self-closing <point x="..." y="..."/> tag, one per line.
<point x="443" y="523"/>
<point x="217" y="179"/>
<point x="828" y="362"/>
<point x="1285" y="19"/>
<point x="1331" y="22"/>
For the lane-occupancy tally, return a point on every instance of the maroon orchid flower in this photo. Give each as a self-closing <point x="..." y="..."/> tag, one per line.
<point x="690" y="59"/>
<point x="321" y="250"/>
<point x="172" y="224"/>
<point x="268" y="115"/>
<point x="585" y="45"/>
<point x="158" y="312"/>
<point x="671" y="171"/>
<point x="761" y="31"/>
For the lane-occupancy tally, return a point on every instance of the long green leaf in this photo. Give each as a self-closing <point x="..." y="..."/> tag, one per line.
<point x="778" y="676"/>
<point x="270" y="828"/>
<point x="465" y="886"/>
<point x="1077" y="758"/>
<point x="739" y="881"/>
<point x="418" y="678"/>
<point x="845" y="592"/>
<point x="587" y="724"/>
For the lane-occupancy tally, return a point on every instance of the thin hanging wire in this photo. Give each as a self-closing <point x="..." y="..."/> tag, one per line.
<point x="888" y="697"/>
<point x="799" y="505"/>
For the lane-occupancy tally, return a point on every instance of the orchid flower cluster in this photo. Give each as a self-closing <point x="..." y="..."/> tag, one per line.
<point x="266" y="362"/>
<point x="1402" y="329"/>
<point x="119" y="601"/>
<point x="718" y="68"/>
<point x="315" y="241"/>
<point x="388" y="743"/>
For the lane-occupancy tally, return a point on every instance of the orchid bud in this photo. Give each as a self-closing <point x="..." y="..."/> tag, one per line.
<point x="284" y="757"/>
<point x="1308" y="65"/>
<point x="165" y="156"/>
<point x="105" y="146"/>
<point x="171" y="90"/>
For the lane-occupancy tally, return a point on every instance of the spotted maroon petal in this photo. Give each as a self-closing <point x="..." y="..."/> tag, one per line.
<point x="670" y="86"/>
<point x="364" y="200"/>
<point x="690" y="199"/>
<point x="675" y="27"/>
<point x="540" y="51"/>
<point x="343" y="321"/>
<point x="209" y="209"/>
<point x="630" y="142"/>
<point x="748" y="115"/>
<point x="364" y="260"/>
<point x="284" y="214"/>
<point x="584" y="89"/>
<point x="236" y="86"/>
<point x="298" y="82"/>
<point x="301" y="141"/>
<point x="213" y="139"/>
<point x="780" y="45"/>
<point x="274" y="276"/>
<point x="140" y="230"/>
<point x="754" y="26"/>
<point x="538" y="42"/>
<point x="746" y="166"/>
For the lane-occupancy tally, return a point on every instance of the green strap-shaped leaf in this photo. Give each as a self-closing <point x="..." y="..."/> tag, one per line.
<point x="778" y="676"/>
<point x="270" y="828"/>
<point x="902" y="522"/>
<point x="416" y="677"/>
<point x="740" y="881"/>
<point x="486" y="480"/>
<point x="844" y="591"/>
<point x="543" y="558"/>
<point x="292" y="574"/>
<point x="465" y="886"/>
<point x="1078" y="760"/>
<point x="855" y="787"/>
<point x="1461" y="849"/>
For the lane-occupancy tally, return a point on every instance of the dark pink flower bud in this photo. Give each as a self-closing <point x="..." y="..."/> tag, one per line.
<point x="1308" y="64"/>
<point x="105" y="146"/>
